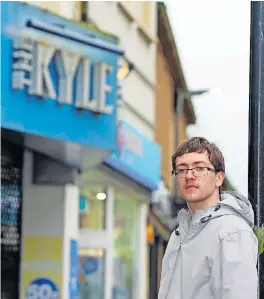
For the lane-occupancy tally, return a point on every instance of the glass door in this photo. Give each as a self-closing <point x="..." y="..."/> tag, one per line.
<point x="125" y="246"/>
<point x="91" y="273"/>
<point x="95" y="243"/>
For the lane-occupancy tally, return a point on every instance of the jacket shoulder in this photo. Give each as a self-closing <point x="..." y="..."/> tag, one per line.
<point x="230" y="224"/>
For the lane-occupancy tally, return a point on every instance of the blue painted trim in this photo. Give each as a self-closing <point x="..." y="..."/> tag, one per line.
<point x="74" y="36"/>
<point x="123" y="168"/>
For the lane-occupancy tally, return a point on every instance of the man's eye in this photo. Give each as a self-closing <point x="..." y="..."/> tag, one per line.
<point x="180" y="171"/>
<point x="200" y="168"/>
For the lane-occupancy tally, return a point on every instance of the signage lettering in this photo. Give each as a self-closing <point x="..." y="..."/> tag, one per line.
<point x="133" y="143"/>
<point x="129" y="141"/>
<point x="31" y="68"/>
<point x="83" y="85"/>
<point x="41" y="82"/>
<point x="67" y="65"/>
<point x="100" y="71"/>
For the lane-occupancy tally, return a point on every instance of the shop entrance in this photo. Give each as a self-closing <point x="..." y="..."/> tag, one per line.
<point x="109" y="254"/>
<point x="95" y="246"/>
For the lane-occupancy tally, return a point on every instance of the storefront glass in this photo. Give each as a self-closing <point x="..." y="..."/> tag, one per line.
<point x="92" y="208"/>
<point x="126" y="215"/>
<point x="91" y="273"/>
<point x="124" y="247"/>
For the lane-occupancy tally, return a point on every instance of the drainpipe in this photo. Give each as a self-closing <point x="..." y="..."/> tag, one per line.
<point x="256" y="123"/>
<point x="180" y="97"/>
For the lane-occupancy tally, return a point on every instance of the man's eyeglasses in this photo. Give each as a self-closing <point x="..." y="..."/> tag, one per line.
<point x="197" y="172"/>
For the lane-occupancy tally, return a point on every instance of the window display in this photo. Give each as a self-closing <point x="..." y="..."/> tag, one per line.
<point x="92" y="208"/>
<point x="125" y="245"/>
<point x="91" y="273"/>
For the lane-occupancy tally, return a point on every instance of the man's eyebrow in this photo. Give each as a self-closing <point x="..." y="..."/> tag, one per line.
<point x="200" y="162"/>
<point x="182" y="164"/>
<point x="195" y="163"/>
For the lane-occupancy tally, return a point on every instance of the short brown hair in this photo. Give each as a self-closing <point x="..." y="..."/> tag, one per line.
<point x="201" y="145"/>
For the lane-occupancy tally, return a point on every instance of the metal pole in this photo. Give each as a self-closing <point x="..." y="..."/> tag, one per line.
<point x="256" y="123"/>
<point x="177" y="115"/>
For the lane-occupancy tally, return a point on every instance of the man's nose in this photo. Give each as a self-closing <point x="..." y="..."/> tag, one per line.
<point x="190" y="175"/>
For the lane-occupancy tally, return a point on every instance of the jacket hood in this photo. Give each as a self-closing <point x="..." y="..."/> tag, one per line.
<point x="231" y="203"/>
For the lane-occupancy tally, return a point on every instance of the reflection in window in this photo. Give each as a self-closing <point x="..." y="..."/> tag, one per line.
<point x="92" y="208"/>
<point x="125" y="246"/>
<point x="91" y="273"/>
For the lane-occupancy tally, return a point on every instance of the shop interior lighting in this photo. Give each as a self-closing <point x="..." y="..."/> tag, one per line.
<point x="101" y="196"/>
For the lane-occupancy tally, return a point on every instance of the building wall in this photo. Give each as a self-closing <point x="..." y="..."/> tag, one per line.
<point x="165" y="114"/>
<point x="164" y="134"/>
<point x="183" y="129"/>
<point x="66" y="9"/>
<point x="127" y="20"/>
<point x="109" y="17"/>
<point x="50" y="218"/>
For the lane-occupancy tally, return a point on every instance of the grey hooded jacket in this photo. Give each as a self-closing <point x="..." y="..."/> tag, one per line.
<point x="213" y="254"/>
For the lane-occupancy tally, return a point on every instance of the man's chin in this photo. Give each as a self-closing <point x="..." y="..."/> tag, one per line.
<point x="191" y="197"/>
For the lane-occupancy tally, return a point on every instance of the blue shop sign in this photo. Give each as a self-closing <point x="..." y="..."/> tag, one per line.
<point x="59" y="80"/>
<point x="137" y="157"/>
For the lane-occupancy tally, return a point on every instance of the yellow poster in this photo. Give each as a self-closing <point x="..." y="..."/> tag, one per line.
<point x="41" y="267"/>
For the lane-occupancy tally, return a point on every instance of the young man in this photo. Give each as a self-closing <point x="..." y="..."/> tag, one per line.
<point x="213" y="253"/>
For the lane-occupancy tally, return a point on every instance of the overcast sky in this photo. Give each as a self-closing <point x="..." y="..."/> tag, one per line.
<point x="212" y="38"/>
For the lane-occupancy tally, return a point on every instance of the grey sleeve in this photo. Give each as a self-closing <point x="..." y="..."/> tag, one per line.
<point x="234" y="272"/>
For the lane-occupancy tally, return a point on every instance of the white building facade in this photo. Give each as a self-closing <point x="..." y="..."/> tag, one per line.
<point x="135" y="24"/>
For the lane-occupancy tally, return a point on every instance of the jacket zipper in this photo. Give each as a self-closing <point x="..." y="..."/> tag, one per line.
<point x="181" y="278"/>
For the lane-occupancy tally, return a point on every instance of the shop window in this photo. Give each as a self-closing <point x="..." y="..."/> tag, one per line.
<point x="126" y="215"/>
<point x="92" y="208"/>
<point x="91" y="273"/>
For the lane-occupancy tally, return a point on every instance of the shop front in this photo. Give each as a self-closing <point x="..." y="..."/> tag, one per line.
<point x="114" y="203"/>
<point x="59" y="83"/>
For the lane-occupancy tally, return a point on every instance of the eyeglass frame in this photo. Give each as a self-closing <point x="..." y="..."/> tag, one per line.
<point x="188" y="169"/>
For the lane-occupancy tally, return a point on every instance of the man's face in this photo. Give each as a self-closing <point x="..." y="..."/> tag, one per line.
<point x="197" y="189"/>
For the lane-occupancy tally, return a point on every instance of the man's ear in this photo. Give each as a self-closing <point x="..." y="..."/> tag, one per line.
<point x="220" y="176"/>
